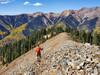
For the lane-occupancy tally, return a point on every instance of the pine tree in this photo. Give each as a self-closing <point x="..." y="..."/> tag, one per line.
<point x="96" y="39"/>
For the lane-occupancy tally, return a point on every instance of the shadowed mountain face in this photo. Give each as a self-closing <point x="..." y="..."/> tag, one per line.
<point x="85" y="17"/>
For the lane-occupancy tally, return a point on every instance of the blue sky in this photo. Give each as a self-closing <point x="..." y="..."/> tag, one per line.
<point x="13" y="7"/>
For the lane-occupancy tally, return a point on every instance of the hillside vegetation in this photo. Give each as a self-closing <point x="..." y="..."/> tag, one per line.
<point x="15" y="34"/>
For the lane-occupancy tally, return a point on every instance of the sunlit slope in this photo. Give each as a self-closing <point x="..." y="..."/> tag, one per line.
<point x="15" y="33"/>
<point x="97" y="30"/>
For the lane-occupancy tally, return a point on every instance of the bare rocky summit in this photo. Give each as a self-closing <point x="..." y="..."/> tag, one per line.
<point x="61" y="56"/>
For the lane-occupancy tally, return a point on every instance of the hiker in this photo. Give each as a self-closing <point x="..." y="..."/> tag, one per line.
<point x="38" y="50"/>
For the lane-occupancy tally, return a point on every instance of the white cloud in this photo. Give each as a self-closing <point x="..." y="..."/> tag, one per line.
<point x="5" y="1"/>
<point x="26" y="3"/>
<point x="37" y="4"/>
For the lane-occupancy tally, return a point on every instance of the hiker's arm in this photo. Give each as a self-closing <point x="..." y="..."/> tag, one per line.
<point x="41" y="48"/>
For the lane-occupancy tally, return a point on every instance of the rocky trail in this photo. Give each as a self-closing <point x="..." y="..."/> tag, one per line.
<point x="60" y="56"/>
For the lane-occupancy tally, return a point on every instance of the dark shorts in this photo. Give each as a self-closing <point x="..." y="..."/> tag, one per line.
<point x="39" y="57"/>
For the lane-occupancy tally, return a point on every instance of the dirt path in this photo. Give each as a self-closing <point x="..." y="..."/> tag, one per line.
<point x="18" y="65"/>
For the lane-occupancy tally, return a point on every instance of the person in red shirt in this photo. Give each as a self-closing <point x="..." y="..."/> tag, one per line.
<point x="38" y="50"/>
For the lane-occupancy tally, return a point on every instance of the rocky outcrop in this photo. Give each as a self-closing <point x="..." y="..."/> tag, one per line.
<point x="74" y="59"/>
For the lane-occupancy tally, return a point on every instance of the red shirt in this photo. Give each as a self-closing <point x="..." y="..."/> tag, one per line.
<point x="38" y="50"/>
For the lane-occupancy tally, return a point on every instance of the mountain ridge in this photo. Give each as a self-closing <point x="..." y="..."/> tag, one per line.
<point x="88" y="17"/>
<point x="58" y="50"/>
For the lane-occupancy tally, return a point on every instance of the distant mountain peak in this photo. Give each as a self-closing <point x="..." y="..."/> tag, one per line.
<point x="38" y="14"/>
